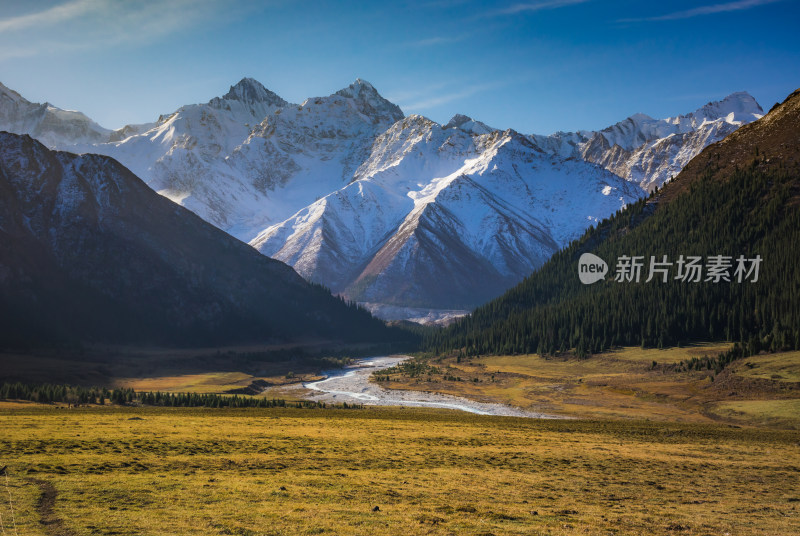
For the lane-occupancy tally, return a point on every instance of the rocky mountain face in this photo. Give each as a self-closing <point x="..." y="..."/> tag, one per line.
<point x="88" y="252"/>
<point x="397" y="210"/>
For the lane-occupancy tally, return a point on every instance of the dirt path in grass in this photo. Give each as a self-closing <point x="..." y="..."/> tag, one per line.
<point x="53" y="525"/>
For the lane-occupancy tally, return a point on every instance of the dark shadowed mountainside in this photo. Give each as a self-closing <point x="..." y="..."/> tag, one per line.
<point x="89" y="253"/>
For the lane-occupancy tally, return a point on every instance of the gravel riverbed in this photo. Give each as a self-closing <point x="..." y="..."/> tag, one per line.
<point x="351" y="384"/>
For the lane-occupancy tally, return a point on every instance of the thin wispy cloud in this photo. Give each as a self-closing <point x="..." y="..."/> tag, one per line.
<point x="435" y="41"/>
<point x="522" y="8"/>
<point x="48" y="17"/>
<point x="418" y="92"/>
<point x="739" y="5"/>
<point x="537" y="6"/>
<point x="86" y="24"/>
<point x="444" y="98"/>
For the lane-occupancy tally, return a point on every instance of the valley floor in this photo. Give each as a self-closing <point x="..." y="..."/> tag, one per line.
<point x="652" y="449"/>
<point x="387" y="471"/>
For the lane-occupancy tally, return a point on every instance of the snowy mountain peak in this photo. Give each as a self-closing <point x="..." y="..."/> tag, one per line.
<point x="651" y="151"/>
<point x="741" y="104"/>
<point x="357" y="88"/>
<point x="638" y="117"/>
<point x="251" y="91"/>
<point x="641" y="130"/>
<point x="47" y="123"/>
<point x="457" y="120"/>
<point x="369" y="102"/>
<point x="467" y="124"/>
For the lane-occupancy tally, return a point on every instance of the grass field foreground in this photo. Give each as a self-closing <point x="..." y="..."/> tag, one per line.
<point x="155" y="471"/>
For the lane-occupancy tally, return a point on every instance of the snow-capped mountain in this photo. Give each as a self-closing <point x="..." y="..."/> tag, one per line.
<point x="651" y="151"/>
<point x="441" y="217"/>
<point x="184" y="155"/>
<point x="386" y="208"/>
<point x="249" y="158"/>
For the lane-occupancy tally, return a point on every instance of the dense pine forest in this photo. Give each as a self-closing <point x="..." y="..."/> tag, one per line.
<point x="756" y="211"/>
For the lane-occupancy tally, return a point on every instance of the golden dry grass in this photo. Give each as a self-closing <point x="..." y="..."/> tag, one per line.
<point x="784" y="367"/>
<point x="212" y="382"/>
<point x="206" y="382"/>
<point x="128" y="471"/>
<point x="762" y="412"/>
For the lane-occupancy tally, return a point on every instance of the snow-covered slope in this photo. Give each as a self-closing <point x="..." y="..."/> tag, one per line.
<point x="301" y="153"/>
<point x="184" y="155"/>
<point x="441" y="217"/>
<point x="47" y="123"/>
<point x="249" y="158"/>
<point x="651" y="151"/>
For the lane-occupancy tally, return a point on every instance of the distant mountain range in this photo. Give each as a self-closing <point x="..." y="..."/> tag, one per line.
<point x="387" y="209"/>
<point x="89" y="253"/>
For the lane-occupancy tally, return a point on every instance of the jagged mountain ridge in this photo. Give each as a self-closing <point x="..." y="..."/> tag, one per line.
<point x="249" y="158"/>
<point x="347" y="190"/>
<point x="426" y="254"/>
<point x="650" y="151"/>
<point x="201" y="155"/>
<point x="89" y="253"/>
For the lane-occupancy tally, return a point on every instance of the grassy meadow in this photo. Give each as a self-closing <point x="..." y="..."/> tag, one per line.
<point x="651" y="448"/>
<point x="112" y="470"/>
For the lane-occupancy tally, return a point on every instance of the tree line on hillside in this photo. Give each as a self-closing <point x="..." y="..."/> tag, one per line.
<point x="47" y="393"/>
<point x="753" y="212"/>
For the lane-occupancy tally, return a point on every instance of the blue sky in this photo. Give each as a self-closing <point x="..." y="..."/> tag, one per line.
<point x="536" y="66"/>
